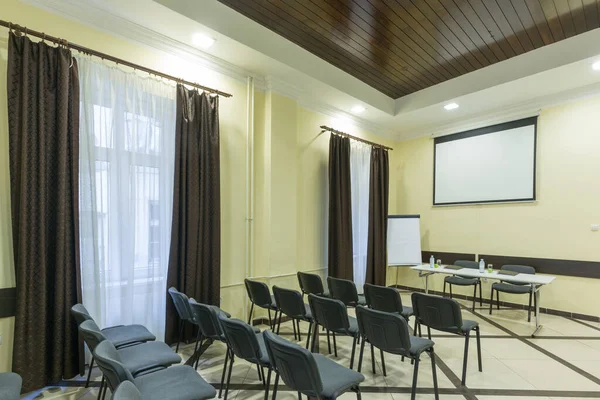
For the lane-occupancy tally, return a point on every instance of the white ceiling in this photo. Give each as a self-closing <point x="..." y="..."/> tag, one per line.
<point x="513" y="88"/>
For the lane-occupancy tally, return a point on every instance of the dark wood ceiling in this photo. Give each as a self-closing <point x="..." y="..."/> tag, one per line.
<point x="401" y="46"/>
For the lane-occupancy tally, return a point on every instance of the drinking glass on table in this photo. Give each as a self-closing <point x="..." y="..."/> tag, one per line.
<point x="439" y="263"/>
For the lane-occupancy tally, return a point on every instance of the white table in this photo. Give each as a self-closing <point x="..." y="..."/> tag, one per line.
<point x="535" y="281"/>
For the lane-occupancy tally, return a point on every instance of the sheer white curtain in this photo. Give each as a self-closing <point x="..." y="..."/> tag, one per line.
<point x="127" y="150"/>
<point x="360" y="167"/>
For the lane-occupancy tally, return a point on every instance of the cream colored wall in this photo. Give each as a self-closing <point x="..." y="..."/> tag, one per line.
<point x="556" y="226"/>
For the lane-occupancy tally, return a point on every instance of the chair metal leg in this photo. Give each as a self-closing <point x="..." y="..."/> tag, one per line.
<point x="272" y="326"/>
<point x="353" y="351"/>
<point x="299" y="396"/>
<point x="199" y="346"/>
<point x="498" y="299"/>
<point x="420" y="333"/>
<point x="101" y="387"/>
<point x="298" y="323"/>
<point x="429" y="333"/>
<point x="491" y="300"/>
<point x="358" y="394"/>
<point x="275" y="387"/>
<point x="328" y="342"/>
<point x="382" y="362"/>
<point x="267" y="385"/>
<point x="310" y="324"/>
<point x="450" y="287"/>
<point x="478" y="349"/>
<point x="465" y="359"/>
<point x="250" y="315"/>
<point x="334" y="345"/>
<point x="480" y="295"/>
<point x="294" y="326"/>
<point x="260" y="377"/>
<point x="529" y="308"/>
<point x="413" y="392"/>
<point x="279" y="323"/>
<point x="87" y="383"/>
<point x="180" y="333"/>
<point x="444" y="293"/>
<point x="415" y="328"/>
<point x="229" y="376"/>
<point x="314" y="337"/>
<point x="360" y="356"/>
<point x="372" y="358"/>
<point x="224" y="370"/>
<point x="474" y="295"/>
<point x="434" y="373"/>
<point x="270" y="320"/>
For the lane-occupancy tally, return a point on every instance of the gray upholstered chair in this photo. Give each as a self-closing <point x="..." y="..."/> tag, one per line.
<point x="444" y="315"/>
<point x="10" y="386"/>
<point x="333" y="316"/>
<point x="311" y="284"/>
<point x="345" y="291"/>
<point x="291" y="304"/>
<point x="243" y="342"/>
<point x="259" y="295"/>
<point x="179" y="382"/>
<point x="460" y="281"/>
<point x="313" y="375"/>
<point x="506" y="286"/>
<point x="127" y="391"/>
<point x="181" y="303"/>
<point x="120" y="336"/>
<point x="389" y="333"/>
<point x="386" y="299"/>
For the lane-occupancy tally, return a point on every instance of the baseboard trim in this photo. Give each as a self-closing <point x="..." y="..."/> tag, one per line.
<point x="544" y="310"/>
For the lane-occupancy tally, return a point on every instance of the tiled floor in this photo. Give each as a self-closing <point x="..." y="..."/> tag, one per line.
<point x="563" y="362"/>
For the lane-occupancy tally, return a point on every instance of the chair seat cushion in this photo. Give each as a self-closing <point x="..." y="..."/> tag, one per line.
<point x="407" y="311"/>
<point x="468" y="325"/>
<point x="122" y="335"/>
<point x="10" y="386"/>
<point x="419" y="345"/>
<point x="335" y="377"/>
<point x="510" y="288"/>
<point x="308" y="312"/>
<point x="148" y="355"/>
<point x="361" y="300"/>
<point x="180" y="382"/>
<point x="457" y="280"/>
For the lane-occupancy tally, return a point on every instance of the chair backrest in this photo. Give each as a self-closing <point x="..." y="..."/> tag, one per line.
<point x="383" y="298"/>
<point x="296" y="365"/>
<point x="207" y="319"/>
<point x="290" y="302"/>
<point x="437" y="312"/>
<point x="107" y="358"/>
<point x="258" y="292"/>
<point x="330" y="313"/>
<point x="180" y="300"/>
<point x="343" y="289"/>
<point x="384" y="330"/>
<point x="521" y="269"/>
<point x="92" y="335"/>
<point x="467" y="264"/>
<point x="241" y="339"/>
<point x="80" y="313"/>
<point x="310" y="283"/>
<point x="127" y="391"/>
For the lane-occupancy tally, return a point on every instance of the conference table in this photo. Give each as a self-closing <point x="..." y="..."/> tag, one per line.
<point x="535" y="281"/>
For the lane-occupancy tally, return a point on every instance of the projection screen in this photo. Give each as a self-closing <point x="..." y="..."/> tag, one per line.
<point x="487" y="165"/>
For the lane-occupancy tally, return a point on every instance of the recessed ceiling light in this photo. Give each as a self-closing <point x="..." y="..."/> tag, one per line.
<point x="596" y="66"/>
<point x="358" y="109"/>
<point x="202" y="40"/>
<point x="451" y="106"/>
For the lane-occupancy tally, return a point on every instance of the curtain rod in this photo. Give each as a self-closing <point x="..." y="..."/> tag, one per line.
<point x="61" y="42"/>
<point x="326" y="128"/>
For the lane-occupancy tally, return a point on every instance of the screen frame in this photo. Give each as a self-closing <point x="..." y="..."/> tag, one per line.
<point x="485" y="131"/>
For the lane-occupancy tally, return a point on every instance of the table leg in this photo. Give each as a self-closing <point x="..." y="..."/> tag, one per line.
<point x="538" y="324"/>
<point x="427" y="284"/>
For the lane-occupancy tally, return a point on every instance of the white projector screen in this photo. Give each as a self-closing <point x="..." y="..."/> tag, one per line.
<point x="486" y="165"/>
<point x="404" y="240"/>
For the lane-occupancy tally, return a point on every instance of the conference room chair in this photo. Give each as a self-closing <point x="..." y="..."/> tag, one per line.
<point x="444" y="315"/>
<point x="243" y="342"/>
<point x="179" y="382"/>
<point x="389" y="333"/>
<point x="313" y="375"/>
<point x="506" y="286"/>
<point x="184" y="312"/>
<point x="259" y="295"/>
<point x="119" y="336"/>
<point x="126" y="391"/>
<point x="387" y="299"/>
<point x="460" y="281"/>
<point x="291" y="304"/>
<point x="311" y="284"/>
<point x="138" y="359"/>
<point x="10" y="386"/>
<point x="333" y="316"/>
<point x="345" y="291"/>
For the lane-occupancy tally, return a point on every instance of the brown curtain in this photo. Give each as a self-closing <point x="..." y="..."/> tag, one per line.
<point x="378" y="211"/>
<point x="195" y="256"/>
<point x="43" y="116"/>
<point x="340" y="209"/>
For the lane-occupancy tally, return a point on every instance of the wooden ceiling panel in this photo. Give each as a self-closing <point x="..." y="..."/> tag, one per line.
<point x="402" y="46"/>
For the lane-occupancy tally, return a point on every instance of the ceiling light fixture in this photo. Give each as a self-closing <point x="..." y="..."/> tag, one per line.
<point x="202" y="40"/>
<point x="451" y="106"/>
<point x="596" y="66"/>
<point x="358" y="109"/>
